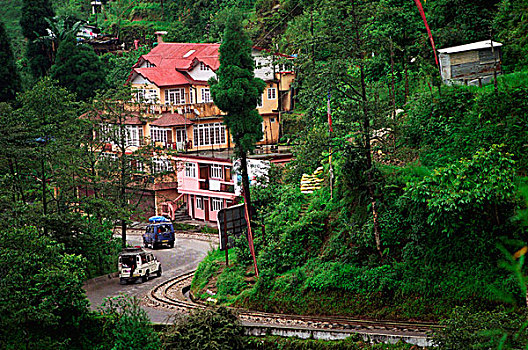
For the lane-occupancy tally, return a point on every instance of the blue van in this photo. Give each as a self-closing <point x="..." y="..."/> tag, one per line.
<point x="159" y="232"/>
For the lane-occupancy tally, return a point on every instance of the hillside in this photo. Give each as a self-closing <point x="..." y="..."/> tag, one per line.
<point x="10" y="15"/>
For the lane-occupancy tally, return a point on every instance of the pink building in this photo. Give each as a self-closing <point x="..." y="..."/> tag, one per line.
<point x="207" y="185"/>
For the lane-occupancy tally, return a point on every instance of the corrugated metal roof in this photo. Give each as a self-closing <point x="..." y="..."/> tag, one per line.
<point x="181" y="55"/>
<point x="486" y="44"/>
<point x="162" y="76"/>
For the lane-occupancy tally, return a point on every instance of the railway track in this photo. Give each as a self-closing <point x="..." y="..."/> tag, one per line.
<point x="170" y="294"/>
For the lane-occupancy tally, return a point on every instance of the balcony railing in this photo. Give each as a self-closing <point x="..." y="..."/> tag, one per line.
<point x="191" y="111"/>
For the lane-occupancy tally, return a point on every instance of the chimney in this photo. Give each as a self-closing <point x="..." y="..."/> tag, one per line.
<point x="159" y="36"/>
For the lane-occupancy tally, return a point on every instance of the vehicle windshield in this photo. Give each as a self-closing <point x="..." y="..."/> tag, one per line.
<point x="128" y="260"/>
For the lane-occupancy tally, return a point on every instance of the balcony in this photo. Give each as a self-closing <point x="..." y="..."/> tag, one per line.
<point x="192" y="111"/>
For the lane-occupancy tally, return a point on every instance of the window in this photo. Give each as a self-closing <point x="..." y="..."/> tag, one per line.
<point x="272" y="93"/>
<point x="174" y="96"/>
<point x="134" y="134"/>
<point x="272" y="120"/>
<point x="136" y="166"/>
<point x="106" y="132"/>
<point x="199" y="203"/>
<point x="206" y="95"/>
<point x="161" y="165"/>
<point x="203" y="66"/>
<point x="181" y="135"/>
<point x="149" y="65"/>
<point x="209" y="134"/>
<point x="190" y="170"/>
<point x="259" y="102"/>
<point x="216" y="171"/>
<point x="108" y="156"/>
<point x="217" y="204"/>
<point x="158" y="134"/>
<point x="146" y="95"/>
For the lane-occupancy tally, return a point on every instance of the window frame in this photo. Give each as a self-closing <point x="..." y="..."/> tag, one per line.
<point x="215" y="171"/>
<point x="272" y="93"/>
<point x="161" y="165"/>
<point x="190" y="170"/>
<point x="209" y="134"/>
<point x="217" y="204"/>
<point x="199" y="203"/>
<point x="171" y="96"/>
<point x="206" y="95"/>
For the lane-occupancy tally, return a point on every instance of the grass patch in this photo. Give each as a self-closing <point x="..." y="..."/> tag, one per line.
<point x="209" y="230"/>
<point x="208" y="271"/>
<point x="180" y="226"/>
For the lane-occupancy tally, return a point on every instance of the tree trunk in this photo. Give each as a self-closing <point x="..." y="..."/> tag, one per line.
<point x="245" y="181"/>
<point x="370" y="171"/>
<point x="366" y="137"/>
<point x="123" y="234"/>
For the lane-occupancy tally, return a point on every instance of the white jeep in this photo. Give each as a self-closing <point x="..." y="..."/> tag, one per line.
<point x="137" y="264"/>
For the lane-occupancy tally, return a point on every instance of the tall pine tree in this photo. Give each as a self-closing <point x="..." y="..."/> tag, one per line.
<point x="236" y="92"/>
<point x="9" y="79"/>
<point x="34" y="25"/>
<point x="78" y="69"/>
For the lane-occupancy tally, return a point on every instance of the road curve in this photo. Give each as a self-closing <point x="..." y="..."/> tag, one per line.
<point x="184" y="257"/>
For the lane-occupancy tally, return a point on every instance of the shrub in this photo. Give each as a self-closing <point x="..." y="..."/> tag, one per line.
<point x="131" y="328"/>
<point x="483" y="330"/>
<point x="205" y="329"/>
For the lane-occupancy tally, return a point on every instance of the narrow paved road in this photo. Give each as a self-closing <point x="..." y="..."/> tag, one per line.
<point x="185" y="256"/>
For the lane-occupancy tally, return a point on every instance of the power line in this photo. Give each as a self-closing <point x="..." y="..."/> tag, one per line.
<point x="280" y="22"/>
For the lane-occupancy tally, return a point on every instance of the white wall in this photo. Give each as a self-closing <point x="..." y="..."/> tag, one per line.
<point x="263" y="66"/>
<point x="139" y="80"/>
<point x="201" y="75"/>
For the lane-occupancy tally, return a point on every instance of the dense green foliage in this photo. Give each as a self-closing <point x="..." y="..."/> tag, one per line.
<point x="206" y="329"/>
<point x="131" y="327"/>
<point x="34" y="25"/>
<point x="467" y="329"/>
<point x="444" y="175"/>
<point x="78" y="69"/>
<point x="117" y="66"/>
<point x="447" y="171"/>
<point x="9" y="78"/>
<point x="44" y="166"/>
<point x="46" y="305"/>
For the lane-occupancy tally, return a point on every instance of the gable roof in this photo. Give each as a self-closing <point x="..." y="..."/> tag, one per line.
<point x="180" y="56"/>
<point x="161" y="76"/>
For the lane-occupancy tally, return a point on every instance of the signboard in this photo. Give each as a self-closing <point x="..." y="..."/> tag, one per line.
<point x="231" y="223"/>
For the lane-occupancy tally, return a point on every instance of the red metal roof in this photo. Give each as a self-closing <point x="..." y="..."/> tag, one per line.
<point x="181" y="55"/>
<point x="171" y="119"/>
<point x="162" y="76"/>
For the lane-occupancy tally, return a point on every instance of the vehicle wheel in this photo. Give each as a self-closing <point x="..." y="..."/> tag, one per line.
<point x="154" y="245"/>
<point x="145" y="244"/>
<point x="159" y="271"/>
<point x="146" y="277"/>
<point x="122" y="281"/>
<point x="171" y="244"/>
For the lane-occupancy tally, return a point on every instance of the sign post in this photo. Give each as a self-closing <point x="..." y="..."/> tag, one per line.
<point x="231" y="223"/>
